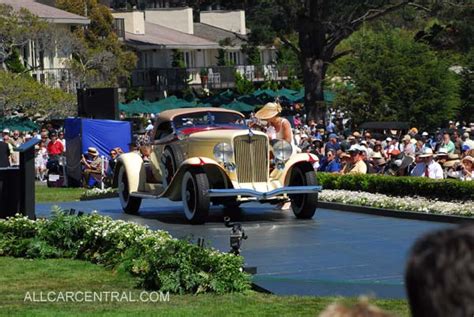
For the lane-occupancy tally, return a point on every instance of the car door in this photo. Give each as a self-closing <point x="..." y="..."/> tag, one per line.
<point x="162" y="136"/>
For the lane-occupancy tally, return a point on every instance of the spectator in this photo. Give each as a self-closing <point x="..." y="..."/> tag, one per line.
<point x="332" y="144"/>
<point x="447" y="144"/>
<point x="457" y="142"/>
<point x="62" y="140"/>
<point x="41" y="158"/>
<point x="407" y="147"/>
<point x="4" y="154"/>
<point x="428" y="167"/>
<point x="55" y="147"/>
<point x="330" y="163"/>
<point x="463" y="170"/>
<point x="440" y="274"/>
<point x="378" y="162"/>
<point x="6" y="139"/>
<point x="92" y="164"/>
<point x="467" y="140"/>
<point x="357" y="164"/>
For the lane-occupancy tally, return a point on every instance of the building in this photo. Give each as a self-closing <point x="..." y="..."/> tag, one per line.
<point x="48" y="64"/>
<point x="175" y="52"/>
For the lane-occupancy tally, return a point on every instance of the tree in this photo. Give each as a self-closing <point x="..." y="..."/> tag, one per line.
<point x="396" y="78"/>
<point x="17" y="28"/>
<point x="20" y="92"/>
<point x="321" y="26"/>
<point x="99" y="58"/>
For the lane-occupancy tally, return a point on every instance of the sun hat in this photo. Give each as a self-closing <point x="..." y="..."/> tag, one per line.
<point x="406" y="138"/>
<point x="268" y="111"/>
<point x="468" y="158"/>
<point x="442" y="152"/>
<point x="427" y="152"/>
<point x="6" y="130"/>
<point x="413" y="130"/>
<point x="389" y="139"/>
<point x="425" y="133"/>
<point x="93" y="151"/>
<point x="377" y="155"/>
<point x="356" y="134"/>
<point x="333" y="136"/>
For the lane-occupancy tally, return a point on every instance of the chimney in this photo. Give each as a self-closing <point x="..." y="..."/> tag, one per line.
<point x="134" y="21"/>
<point x="180" y="19"/>
<point x="228" y="20"/>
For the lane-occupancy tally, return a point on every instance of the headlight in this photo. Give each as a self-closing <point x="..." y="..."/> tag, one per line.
<point x="223" y="152"/>
<point x="282" y="150"/>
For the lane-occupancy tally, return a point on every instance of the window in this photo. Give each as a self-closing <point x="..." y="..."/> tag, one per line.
<point x="234" y="57"/>
<point x="119" y="27"/>
<point x="189" y="58"/>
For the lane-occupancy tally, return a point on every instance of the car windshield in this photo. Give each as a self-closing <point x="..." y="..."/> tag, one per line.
<point x="208" y="118"/>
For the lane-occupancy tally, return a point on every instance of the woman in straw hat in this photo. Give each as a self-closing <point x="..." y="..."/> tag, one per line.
<point x="281" y="126"/>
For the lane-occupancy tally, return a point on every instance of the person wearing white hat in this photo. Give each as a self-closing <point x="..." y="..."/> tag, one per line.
<point x="92" y="167"/>
<point x="357" y="164"/>
<point x="427" y="167"/>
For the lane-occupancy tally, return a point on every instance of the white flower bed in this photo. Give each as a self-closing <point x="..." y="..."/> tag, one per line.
<point x="411" y="203"/>
<point x="96" y="193"/>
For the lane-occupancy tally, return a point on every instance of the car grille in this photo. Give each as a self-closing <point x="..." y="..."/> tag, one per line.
<point x="251" y="158"/>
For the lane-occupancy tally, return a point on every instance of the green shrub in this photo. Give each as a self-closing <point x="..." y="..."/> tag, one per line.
<point x="154" y="257"/>
<point x="445" y="189"/>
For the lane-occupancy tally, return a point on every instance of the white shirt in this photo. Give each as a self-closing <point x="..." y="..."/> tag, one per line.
<point x="434" y="170"/>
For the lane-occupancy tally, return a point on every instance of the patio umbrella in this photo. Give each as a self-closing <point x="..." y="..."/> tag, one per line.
<point x="239" y="106"/>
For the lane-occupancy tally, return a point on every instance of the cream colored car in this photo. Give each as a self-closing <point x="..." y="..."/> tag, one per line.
<point x="204" y="156"/>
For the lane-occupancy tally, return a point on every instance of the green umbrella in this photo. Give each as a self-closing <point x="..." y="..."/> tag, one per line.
<point x="239" y="106"/>
<point x="15" y="123"/>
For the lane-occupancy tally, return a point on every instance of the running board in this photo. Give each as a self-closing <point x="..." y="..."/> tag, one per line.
<point x="144" y="195"/>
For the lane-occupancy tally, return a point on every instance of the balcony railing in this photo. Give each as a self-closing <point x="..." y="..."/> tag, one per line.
<point x="61" y="78"/>
<point x="218" y="77"/>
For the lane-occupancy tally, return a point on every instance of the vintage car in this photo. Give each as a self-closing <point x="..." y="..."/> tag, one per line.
<point x="205" y="156"/>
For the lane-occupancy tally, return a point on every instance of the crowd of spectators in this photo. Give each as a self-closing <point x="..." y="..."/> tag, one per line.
<point x="446" y="153"/>
<point x="51" y="145"/>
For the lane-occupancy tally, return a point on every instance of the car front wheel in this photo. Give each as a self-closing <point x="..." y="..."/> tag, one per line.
<point x="130" y="204"/>
<point x="195" y="196"/>
<point x="303" y="205"/>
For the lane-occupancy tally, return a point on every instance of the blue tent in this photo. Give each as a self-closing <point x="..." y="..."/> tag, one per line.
<point x="104" y="135"/>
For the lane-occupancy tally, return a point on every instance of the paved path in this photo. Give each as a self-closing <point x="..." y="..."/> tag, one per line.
<point x="336" y="253"/>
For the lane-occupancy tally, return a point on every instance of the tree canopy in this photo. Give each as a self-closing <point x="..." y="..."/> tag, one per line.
<point x="99" y="58"/>
<point x="395" y="78"/>
<point x="20" y="92"/>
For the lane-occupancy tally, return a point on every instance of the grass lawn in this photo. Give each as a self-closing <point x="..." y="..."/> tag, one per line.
<point x="19" y="276"/>
<point x="45" y="194"/>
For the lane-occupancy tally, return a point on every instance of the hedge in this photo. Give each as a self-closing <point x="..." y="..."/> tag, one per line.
<point x="156" y="259"/>
<point x="442" y="189"/>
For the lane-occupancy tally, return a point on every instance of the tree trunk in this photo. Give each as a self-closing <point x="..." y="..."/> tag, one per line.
<point x="314" y="55"/>
<point x="313" y="75"/>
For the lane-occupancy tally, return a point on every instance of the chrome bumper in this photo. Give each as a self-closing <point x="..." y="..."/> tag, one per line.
<point x="264" y="195"/>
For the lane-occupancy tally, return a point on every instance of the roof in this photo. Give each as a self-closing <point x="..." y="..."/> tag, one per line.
<point x="169" y="115"/>
<point x="217" y="34"/>
<point x="158" y="35"/>
<point x="48" y="13"/>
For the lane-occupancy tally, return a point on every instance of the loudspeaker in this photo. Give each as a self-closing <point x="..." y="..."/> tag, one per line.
<point x="98" y="103"/>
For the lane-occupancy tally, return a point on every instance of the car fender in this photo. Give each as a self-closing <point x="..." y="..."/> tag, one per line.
<point x="300" y="158"/>
<point x="213" y="169"/>
<point x="135" y="171"/>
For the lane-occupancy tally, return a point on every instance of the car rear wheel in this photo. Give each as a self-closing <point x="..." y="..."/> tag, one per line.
<point x="303" y="205"/>
<point x="195" y="196"/>
<point x="130" y="204"/>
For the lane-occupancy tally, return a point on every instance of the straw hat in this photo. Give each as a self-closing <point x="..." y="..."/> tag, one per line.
<point x="93" y="151"/>
<point x="268" y="111"/>
<point x="468" y="158"/>
<point x="427" y="152"/>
